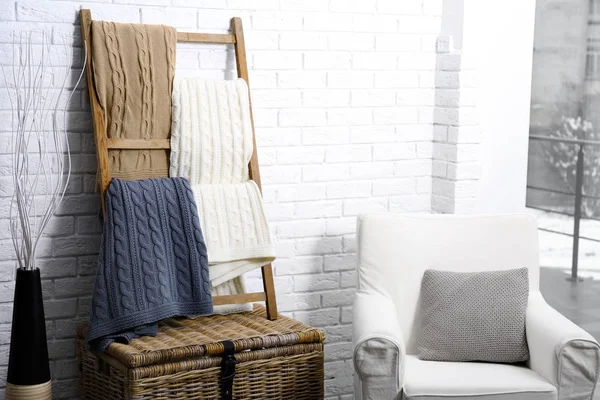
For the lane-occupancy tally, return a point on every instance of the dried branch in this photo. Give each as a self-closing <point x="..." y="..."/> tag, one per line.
<point x="41" y="159"/>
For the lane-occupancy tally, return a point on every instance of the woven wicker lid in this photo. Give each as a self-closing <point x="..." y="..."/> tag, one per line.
<point x="182" y="338"/>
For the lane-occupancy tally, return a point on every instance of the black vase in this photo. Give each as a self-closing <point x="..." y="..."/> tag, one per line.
<point x="28" y="366"/>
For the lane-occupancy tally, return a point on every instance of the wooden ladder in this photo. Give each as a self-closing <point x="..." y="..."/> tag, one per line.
<point x="104" y="143"/>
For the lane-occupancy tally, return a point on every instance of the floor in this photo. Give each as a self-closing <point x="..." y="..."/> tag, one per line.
<point x="580" y="301"/>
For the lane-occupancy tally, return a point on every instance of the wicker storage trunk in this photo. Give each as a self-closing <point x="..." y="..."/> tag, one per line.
<point x="281" y="359"/>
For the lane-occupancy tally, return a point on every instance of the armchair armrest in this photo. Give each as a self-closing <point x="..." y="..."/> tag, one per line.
<point x="560" y="351"/>
<point x="379" y="350"/>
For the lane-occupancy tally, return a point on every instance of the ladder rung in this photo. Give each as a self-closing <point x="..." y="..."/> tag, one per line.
<point x="239" y="298"/>
<point x="219" y="38"/>
<point x="140" y="144"/>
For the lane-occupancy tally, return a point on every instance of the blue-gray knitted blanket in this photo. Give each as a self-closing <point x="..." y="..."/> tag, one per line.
<point x="152" y="263"/>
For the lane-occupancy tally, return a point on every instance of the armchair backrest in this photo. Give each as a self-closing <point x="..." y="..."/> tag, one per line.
<point x="395" y="249"/>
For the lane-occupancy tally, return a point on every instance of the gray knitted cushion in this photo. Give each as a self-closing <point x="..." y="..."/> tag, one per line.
<point x="477" y="316"/>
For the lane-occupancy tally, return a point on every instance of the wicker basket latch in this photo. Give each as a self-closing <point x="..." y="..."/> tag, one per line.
<point x="227" y="370"/>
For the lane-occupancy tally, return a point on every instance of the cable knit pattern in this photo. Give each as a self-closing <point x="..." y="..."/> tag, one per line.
<point x="180" y="247"/>
<point x="101" y="308"/>
<point x="199" y="239"/>
<point x="207" y="211"/>
<point x="121" y="251"/>
<point x="211" y="140"/>
<point x="237" y="238"/>
<point x="145" y="246"/>
<point x="170" y="38"/>
<point x="155" y="248"/>
<point x="115" y="127"/>
<point x="133" y="68"/>
<point x="150" y="249"/>
<point x="211" y="145"/>
<point x="142" y="42"/>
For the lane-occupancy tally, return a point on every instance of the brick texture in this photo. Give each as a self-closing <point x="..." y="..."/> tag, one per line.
<point x="355" y="111"/>
<point x="456" y="135"/>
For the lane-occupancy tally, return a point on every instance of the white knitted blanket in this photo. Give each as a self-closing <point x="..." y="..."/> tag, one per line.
<point x="211" y="132"/>
<point x="211" y="145"/>
<point x="235" y="229"/>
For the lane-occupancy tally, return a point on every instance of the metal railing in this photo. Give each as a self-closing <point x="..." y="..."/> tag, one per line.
<point x="579" y="196"/>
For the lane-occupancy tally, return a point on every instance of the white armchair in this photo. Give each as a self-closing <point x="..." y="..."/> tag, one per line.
<point x="393" y="252"/>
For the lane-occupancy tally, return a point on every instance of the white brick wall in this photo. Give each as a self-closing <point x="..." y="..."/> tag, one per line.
<point x="344" y="94"/>
<point x="456" y="136"/>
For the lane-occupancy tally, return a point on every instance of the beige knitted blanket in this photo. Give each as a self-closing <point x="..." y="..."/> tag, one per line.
<point x="133" y="67"/>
